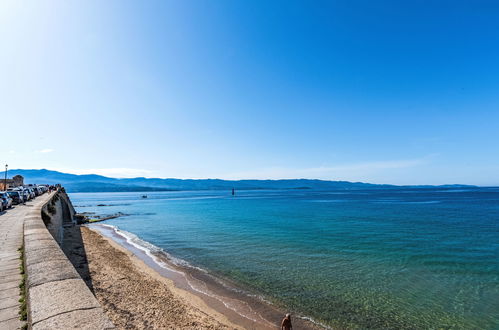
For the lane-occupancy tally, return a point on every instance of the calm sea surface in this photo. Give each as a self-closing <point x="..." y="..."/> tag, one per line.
<point x="405" y="258"/>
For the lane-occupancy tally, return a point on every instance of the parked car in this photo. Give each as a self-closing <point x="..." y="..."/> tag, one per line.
<point x="16" y="195"/>
<point x="28" y="192"/>
<point x="21" y="191"/>
<point x="6" y="200"/>
<point x="25" y="193"/>
<point x="33" y="189"/>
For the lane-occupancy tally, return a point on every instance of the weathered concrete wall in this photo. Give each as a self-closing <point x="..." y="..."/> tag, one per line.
<point x="57" y="296"/>
<point x="56" y="222"/>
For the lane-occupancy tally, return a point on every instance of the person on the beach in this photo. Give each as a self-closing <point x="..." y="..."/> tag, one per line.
<point x="286" y="323"/>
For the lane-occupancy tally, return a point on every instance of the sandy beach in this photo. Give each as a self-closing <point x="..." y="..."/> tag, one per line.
<point x="136" y="293"/>
<point x="136" y="297"/>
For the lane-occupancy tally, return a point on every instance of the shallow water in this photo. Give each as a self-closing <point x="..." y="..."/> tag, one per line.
<point x="406" y="258"/>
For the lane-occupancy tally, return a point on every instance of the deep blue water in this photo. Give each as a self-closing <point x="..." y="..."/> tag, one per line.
<point x="406" y="258"/>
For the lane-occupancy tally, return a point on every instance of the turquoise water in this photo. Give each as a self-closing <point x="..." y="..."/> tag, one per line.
<point x="397" y="259"/>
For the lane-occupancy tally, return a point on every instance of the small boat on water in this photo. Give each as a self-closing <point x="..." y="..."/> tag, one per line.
<point x="144" y="196"/>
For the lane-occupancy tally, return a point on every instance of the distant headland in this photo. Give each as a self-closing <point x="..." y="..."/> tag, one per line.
<point x="99" y="183"/>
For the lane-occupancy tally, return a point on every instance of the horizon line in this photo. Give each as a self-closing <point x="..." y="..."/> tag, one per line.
<point x="280" y="179"/>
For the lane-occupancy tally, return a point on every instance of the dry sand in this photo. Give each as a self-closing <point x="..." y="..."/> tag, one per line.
<point x="134" y="296"/>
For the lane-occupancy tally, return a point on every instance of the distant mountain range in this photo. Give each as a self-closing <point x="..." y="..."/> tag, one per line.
<point x="99" y="183"/>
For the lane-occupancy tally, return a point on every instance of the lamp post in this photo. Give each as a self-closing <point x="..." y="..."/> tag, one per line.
<point x="5" y="180"/>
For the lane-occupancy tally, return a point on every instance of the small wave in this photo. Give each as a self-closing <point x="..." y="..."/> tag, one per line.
<point x="154" y="252"/>
<point x="191" y="198"/>
<point x="144" y="213"/>
<point x="425" y="202"/>
<point x="148" y="248"/>
<point x="404" y="202"/>
<point x="311" y="320"/>
<point x="101" y="205"/>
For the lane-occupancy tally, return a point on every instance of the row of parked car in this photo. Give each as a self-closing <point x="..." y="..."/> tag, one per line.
<point x="20" y="195"/>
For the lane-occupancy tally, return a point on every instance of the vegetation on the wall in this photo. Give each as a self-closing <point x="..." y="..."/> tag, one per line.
<point x="23" y="308"/>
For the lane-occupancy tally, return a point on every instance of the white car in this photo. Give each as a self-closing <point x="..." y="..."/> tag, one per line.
<point x="5" y="200"/>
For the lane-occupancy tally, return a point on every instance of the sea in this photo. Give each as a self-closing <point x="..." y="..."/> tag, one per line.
<point x="405" y="258"/>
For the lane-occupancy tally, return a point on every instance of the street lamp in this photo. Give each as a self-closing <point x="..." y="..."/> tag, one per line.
<point x="5" y="180"/>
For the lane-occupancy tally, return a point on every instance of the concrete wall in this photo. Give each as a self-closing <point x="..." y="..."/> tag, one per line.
<point x="57" y="296"/>
<point x="63" y="218"/>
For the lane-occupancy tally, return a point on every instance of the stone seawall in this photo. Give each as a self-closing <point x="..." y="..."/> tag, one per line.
<point x="56" y="222"/>
<point x="57" y="296"/>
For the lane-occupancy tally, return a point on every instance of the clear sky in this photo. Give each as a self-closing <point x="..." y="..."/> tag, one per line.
<point x="377" y="91"/>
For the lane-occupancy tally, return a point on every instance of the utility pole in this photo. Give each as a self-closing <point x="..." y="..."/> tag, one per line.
<point x="5" y="180"/>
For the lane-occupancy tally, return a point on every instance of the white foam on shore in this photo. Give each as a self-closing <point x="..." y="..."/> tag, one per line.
<point x="311" y="320"/>
<point x="235" y="305"/>
<point x="146" y="247"/>
<point x="240" y="307"/>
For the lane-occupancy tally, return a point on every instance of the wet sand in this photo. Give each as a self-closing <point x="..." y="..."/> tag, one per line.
<point x="136" y="297"/>
<point x="140" y="290"/>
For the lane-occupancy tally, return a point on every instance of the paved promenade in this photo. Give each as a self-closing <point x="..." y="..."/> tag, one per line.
<point x="11" y="238"/>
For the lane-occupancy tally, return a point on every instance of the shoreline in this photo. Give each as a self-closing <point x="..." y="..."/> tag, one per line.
<point x="134" y="296"/>
<point x="229" y="306"/>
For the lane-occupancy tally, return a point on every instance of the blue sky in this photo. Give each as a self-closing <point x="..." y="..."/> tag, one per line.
<point x="375" y="91"/>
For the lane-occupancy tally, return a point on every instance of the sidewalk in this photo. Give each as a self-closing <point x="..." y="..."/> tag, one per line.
<point x="11" y="238"/>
